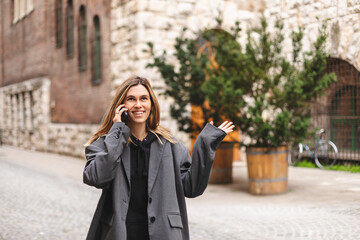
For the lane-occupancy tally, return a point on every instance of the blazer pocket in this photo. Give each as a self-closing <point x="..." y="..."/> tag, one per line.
<point x="175" y="220"/>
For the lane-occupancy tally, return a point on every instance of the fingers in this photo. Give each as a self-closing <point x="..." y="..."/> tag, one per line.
<point x="227" y="126"/>
<point x="122" y="110"/>
<point x="118" y="111"/>
<point x="223" y="124"/>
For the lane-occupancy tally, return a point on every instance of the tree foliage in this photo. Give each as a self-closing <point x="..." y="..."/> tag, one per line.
<point x="264" y="92"/>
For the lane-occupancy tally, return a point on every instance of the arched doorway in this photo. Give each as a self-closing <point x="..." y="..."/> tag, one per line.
<point x="339" y="110"/>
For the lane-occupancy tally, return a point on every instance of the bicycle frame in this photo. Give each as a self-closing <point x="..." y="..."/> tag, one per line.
<point x="303" y="146"/>
<point x="318" y="151"/>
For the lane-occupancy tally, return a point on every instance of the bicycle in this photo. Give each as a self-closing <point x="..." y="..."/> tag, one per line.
<point x="325" y="152"/>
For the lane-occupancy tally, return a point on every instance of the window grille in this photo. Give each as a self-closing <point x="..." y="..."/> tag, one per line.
<point x="58" y="23"/>
<point x="70" y="29"/>
<point x="96" y="52"/>
<point x="339" y="110"/>
<point x="82" y="39"/>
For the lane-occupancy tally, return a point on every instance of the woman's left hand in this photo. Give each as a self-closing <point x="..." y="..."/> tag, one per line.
<point x="225" y="126"/>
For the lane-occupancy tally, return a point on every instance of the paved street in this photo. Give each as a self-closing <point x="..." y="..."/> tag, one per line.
<point x="42" y="197"/>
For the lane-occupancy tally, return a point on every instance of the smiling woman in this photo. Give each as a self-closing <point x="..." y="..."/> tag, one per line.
<point x="145" y="173"/>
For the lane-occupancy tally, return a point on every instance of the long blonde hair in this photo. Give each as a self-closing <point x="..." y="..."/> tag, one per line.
<point x="152" y="123"/>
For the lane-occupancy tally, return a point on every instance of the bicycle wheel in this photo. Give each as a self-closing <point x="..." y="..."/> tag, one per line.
<point x="295" y="154"/>
<point x="325" y="154"/>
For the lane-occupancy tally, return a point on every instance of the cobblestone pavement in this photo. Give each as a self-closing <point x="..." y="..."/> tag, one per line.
<point x="42" y="205"/>
<point x="42" y="197"/>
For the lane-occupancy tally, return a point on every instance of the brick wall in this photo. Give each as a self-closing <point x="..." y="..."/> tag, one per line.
<point x="30" y="51"/>
<point x="1" y="47"/>
<point x="73" y="97"/>
<point x="67" y="106"/>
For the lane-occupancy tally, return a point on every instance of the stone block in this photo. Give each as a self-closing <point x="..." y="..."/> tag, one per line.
<point x="242" y="15"/>
<point x="116" y="68"/>
<point x="354" y="9"/>
<point x="353" y="50"/>
<point x="185" y="8"/>
<point x="352" y="3"/>
<point x="331" y="13"/>
<point x="171" y="10"/>
<point x="293" y="4"/>
<point x="158" y="6"/>
<point x="145" y="19"/>
<point x="129" y="8"/>
<point x="342" y="8"/>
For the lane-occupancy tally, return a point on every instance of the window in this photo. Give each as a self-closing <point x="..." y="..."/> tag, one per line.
<point x="21" y="8"/>
<point x="58" y="23"/>
<point x="82" y="39"/>
<point x="338" y="110"/>
<point x="70" y="29"/>
<point x="96" y="52"/>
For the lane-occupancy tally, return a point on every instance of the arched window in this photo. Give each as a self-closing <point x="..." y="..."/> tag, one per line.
<point x="96" y="52"/>
<point x="82" y="39"/>
<point x="69" y="29"/>
<point x="338" y="110"/>
<point x="58" y="23"/>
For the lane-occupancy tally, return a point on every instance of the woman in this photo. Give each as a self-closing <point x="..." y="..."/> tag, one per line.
<point x="144" y="172"/>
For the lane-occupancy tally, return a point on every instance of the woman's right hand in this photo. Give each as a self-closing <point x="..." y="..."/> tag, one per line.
<point x="225" y="126"/>
<point x="118" y="111"/>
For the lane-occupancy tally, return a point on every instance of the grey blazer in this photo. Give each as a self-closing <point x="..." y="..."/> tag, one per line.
<point x="172" y="177"/>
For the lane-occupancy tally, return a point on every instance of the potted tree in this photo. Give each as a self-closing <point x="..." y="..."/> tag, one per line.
<point x="264" y="92"/>
<point x="270" y="97"/>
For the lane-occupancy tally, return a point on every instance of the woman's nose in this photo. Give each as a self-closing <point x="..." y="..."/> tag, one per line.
<point x="137" y="104"/>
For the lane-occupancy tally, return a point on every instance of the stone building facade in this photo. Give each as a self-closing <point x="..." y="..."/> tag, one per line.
<point x="127" y="25"/>
<point x="133" y="23"/>
<point x="49" y="93"/>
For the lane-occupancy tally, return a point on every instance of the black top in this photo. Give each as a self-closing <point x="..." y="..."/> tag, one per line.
<point x="137" y="219"/>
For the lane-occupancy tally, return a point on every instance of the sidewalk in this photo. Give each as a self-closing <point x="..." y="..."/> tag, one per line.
<point x="319" y="204"/>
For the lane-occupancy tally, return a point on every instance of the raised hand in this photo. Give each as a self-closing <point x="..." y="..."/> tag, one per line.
<point x="225" y="126"/>
<point x="119" y="110"/>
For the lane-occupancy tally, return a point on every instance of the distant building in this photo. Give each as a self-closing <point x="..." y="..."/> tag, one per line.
<point x="55" y="72"/>
<point x="60" y="60"/>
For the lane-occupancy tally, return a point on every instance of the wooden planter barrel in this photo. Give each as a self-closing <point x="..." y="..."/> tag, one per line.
<point x="221" y="171"/>
<point x="267" y="170"/>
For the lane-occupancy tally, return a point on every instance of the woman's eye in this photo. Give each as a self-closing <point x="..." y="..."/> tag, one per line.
<point x="144" y="98"/>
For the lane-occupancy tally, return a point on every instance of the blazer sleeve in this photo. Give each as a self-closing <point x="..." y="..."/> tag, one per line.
<point x="103" y="156"/>
<point x="195" y="173"/>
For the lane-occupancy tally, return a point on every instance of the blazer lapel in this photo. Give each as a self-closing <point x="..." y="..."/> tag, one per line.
<point x="125" y="159"/>
<point x="156" y="152"/>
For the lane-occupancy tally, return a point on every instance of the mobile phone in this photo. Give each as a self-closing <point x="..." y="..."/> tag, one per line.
<point x="124" y="116"/>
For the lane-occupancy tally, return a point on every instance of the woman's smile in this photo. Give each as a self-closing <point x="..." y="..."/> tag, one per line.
<point x="138" y="113"/>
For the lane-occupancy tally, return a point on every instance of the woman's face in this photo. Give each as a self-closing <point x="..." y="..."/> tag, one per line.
<point x="138" y="103"/>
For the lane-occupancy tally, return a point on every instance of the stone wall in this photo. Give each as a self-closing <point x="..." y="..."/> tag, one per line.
<point x="341" y="17"/>
<point x="69" y="139"/>
<point x="25" y="120"/>
<point x="25" y="113"/>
